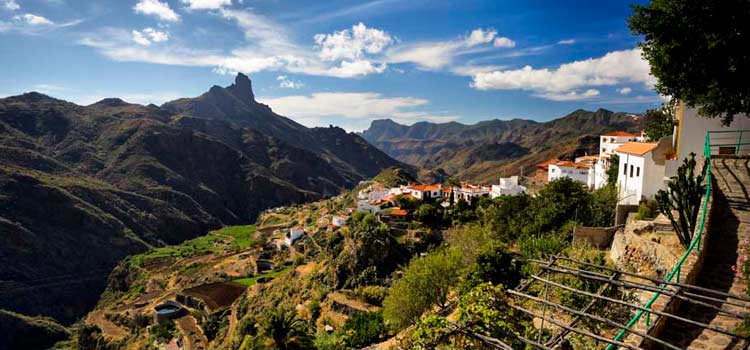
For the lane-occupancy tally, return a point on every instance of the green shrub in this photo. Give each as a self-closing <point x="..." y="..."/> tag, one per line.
<point x="647" y="210"/>
<point x="364" y="328"/>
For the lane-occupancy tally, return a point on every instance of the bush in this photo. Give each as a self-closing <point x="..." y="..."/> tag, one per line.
<point x="647" y="210"/>
<point x="496" y="266"/>
<point x="426" y="282"/>
<point x="364" y="328"/>
<point x="542" y="246"/>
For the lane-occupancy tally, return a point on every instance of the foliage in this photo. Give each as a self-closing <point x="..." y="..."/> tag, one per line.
<point x="364" y="328"/>
<point x="163" y="332"/>
<point x="509" y="216"/>
<point x="613" y="170"/>
<point x="558" y="202"/>
<point x="429" y="332"/>
<point x="372" y="252"/>
<point x="496" y="266"/>
<point x="684" y="196"/>
<point x="603" y="206"/>
<point x="485" y="310"/>
<point x="659" y="122"/>
<point x="426" y="282"/>
<point x="695" y="50"/>
<point x="407" y="202"/>
<point x="329" y="341"/>
<point x="647" y="210"/>
<point x="542" y="246"/>
<point x="287" y="330"/>
<point x="429" y="213"/>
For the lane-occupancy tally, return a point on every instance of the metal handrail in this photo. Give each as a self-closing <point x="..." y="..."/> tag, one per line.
<point x="694" y="245"/>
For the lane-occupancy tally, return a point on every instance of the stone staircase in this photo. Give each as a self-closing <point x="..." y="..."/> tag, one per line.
<point x="730" y="230"/>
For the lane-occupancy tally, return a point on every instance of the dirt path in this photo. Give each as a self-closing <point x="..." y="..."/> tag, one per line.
<point x="730" y="226"/>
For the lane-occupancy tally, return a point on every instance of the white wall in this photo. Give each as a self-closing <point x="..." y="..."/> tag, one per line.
<point x="693" y="132"/>
<point x="630" y="186"/>
<point x="581" y="175"/>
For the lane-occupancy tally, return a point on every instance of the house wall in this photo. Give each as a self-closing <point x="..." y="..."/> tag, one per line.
<point x="580" y="175"/>
<point x="692" y="131"/>
<point x="630" y="186"/>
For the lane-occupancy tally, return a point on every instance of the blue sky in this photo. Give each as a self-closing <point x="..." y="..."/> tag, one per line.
<point x="334" y="62"/>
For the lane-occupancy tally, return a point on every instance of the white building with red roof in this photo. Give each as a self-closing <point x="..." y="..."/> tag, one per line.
<point x="423" y="192"/>
<point x="641" y="170"/>
<point x="581" y="172"/>
<point x="608" y="143"/>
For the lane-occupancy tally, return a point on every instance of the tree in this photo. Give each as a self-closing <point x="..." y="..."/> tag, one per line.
<point x="287" y="330"/>
<point x="659" y="122"/>
<point x="684" y="196"/>
<point x="426" y="282"/>
<point x="613" y="170"/>
<point x="496" y="266"/>
<point x="697" y="52"/>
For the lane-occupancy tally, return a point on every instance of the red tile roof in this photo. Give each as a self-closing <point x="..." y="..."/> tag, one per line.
<point x="620" y="133"/>
<point x="399" y="212"/>
<point x="545" y="165"/>
<point x="637" y="148"/>
<point x="424" y="188"/>
<point x="569" y="164"/>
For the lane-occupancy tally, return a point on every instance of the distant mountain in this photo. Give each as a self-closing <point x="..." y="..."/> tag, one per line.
<point x="484" y="151"/>
<point x="83" y="186"/>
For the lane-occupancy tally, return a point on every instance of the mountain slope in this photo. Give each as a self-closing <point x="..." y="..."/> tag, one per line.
<point x="83" y="186"/>
<point x="490" y="149"/>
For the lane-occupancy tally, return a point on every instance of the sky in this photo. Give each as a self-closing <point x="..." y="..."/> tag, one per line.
<point x="336" y="62"/>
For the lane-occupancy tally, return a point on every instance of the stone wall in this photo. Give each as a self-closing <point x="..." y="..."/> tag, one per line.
<point x="688" y="274"/>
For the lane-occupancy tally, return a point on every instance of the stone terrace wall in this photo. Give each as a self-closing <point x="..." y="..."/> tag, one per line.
<point x="689" y="272"/>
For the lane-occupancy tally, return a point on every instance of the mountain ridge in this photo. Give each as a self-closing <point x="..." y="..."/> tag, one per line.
<point x="114" y="178"/>
<point x="476" y="151"/>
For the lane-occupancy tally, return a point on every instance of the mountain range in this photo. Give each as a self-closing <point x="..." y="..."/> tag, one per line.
<point x="485" y="151"/>
<point x="81" y="187"/>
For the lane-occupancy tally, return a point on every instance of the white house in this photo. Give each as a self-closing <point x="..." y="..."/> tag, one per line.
<point x="581" y="172"/>
<point x="338" y="220"/>
<point x="608" y="143"/>
<point x="423" y="192"/>
<point x="690" y="132"/>
<point x="372" y="207"/>
<point x="293" y="235"/>
<point x="469" y="193"/>
<point x="375" y="191"/>
<point x="641" y="169"/>
<point x="507" y="186"/>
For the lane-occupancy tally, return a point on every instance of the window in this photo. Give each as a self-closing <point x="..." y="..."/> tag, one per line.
<point x="638" y="171"/>
<point x="631" y="170"/>
<point x="625" y="169"/>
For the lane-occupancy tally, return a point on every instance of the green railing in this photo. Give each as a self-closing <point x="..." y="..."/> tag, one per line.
<point x="695" y="245"/>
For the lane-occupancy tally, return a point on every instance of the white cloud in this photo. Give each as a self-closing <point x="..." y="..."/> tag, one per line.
<point x="206" y="4"/>
<point x="149" y="35"/>
<point x="361" y="108"/>
<point x="504" y="42"/>
<point x="33" y="20"/>
<point x="11" y="5"/>
<point x="352" y="44"/>
<point x="156" y="8"/>
<point x="611" y="69"/>
<point x="566" y="42"/>
<point x="569" y="96"/>
<point x="480" y="36"/>
<point x="286" y="83"/>
<point x="625" y="90"/>
<point x="433" y="55"/>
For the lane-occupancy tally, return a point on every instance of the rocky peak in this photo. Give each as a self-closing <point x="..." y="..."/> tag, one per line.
<point x="242" y="88"/>
<point x="110" y="102"/>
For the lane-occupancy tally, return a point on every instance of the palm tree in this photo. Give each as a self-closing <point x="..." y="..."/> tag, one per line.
<point x="287" y="330"/>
